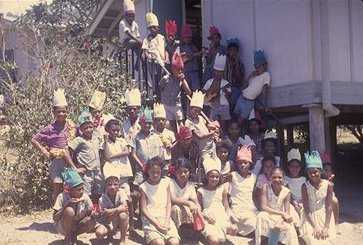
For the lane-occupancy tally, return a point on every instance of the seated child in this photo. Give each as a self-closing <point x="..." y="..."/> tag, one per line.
<point x="95" y="108"/>
<point x="183" y="196"/>
<point x="73" y="208"/>
<point x="155" y="205"/>
<point x="213" y="198"/>
<point x="274" y="221"/>
<point x="114" y="215"/>
<point x="86" y="149"/>
<point x="255" y="132"/>
<point x="255" y="85"/>
<point x="129" y="29"/>
<point x="268" y="164"/>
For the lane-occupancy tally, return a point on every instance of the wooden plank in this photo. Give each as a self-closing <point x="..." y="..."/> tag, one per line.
<point x="99" y="16"/>
<point x="347" y="93"/>
<point x="316" y="127"/>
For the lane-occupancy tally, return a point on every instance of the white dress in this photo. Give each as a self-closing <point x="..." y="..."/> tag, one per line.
<point x="213" y="207"/>
<point x="267" y="221"/>
<point x="294" y="184"/>
<point x="243" y="209"/>
<point x="317" y="200"/>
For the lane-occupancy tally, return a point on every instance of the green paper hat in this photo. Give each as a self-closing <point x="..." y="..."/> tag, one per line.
<point x="259" y="57"/>
<point x="85" y="116"/>
<point x="71" y="177"/>
<point x="146" y="115"/>
<point x="313" y="160"/>
<point x="233" y="42"/>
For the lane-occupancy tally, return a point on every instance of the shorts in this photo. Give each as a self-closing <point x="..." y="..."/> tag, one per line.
<point x="138" y="178"/>
<point x="151" y="233"/>
<point x="124" y="184"/>
<point x="173" y="113"/>
<point x="59" y="226"/>
<point x="93" y="182"/>
<point x="244" y="107"/>
<point x="114" y="225"/>
<point x="220" y="112"/>
<point x="56" y="168"/>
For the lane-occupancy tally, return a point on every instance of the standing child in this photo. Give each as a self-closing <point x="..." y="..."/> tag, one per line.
<point x="95" y="108"/>
<point x="213" y="198"/>
<point x="255" y="132"/>
<point x="72" y="209"/>
<point x="85" y="149"/>
<point x="113" y="205"/>
<point x="274" y="221"/>
<point x="223" y="148"/>
<point x="242" y="182"/>
<point x="318" y="225"/>
<point x="131" y="126"/>
<point x="52" y="141"/>
<point x="156" y="206"/>
<point x="172" y="44"/>
<point x="255" y="85"/>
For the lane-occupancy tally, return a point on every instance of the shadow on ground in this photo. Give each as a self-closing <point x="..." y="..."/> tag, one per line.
<point x="35" y="226"/>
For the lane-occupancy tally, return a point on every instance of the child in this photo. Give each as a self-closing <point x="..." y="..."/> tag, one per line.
<point x="214" y="202"/>
<point x="85" y="148"/>
<point x="294" y="179"/>
<point x="131" y="126"/>
<point x="113" y="205"/>
<point x="242" y="181"/>
<point x="171" y="87"/>
<point x="167" y="136"/>
<point x="234" y="71"/>
<point x="223" y="148"/>
<point x="117" y="152"/>
<point x="254" y="131"/>
<point x="72" y="209"/>
<point x="317" y="221"/>
<point x="52" y="141"/>
<point x="183" y="195"/>
<point x="255" y="85"/>
<point x="268" y="164"/>
<point x="215" y="48"/>
<point x="129" y="29"/>
<point x="156" y="206"/>
<point x="274" y="218"/>
<point x="172" y="44"/>
<point x="217" y="90"/>
<point x="95" y="107"/>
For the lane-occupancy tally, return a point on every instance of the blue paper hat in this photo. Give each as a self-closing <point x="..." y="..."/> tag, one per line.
<point x="313" y="160"/>
<point x="71" y="177"/>
<point x="85" y="116"/>
<point x="259" y="57"/>
<point x="233" y="41"/>
<point x="146" y="115"/>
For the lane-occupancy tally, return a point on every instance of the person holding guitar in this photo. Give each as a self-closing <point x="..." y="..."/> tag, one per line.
<point x="216" y="92"/>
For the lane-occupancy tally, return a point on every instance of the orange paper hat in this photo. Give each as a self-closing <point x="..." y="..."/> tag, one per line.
<point x="170" y="27"/>
<point x="213" y="30"/>
<point x="186" y="31"/>
<point x="244" y="153"/>
<point x="325" y="158"/>
<point x="177" y="61"/>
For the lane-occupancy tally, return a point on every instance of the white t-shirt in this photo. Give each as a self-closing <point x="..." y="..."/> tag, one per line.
<point x="124" y="26"/>
<point x="255" y="86"/>
<point x="294" y="185"/>
<point x="226" y="168"/>
<point x="155" y="46"/>
<point x="187" y="193"/>
<point x="222" y="99"/>
<point x="241" y="190"/>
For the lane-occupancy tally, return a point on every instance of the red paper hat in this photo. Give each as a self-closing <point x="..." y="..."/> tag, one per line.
<point x="213" y="30"/>
<point x="325" y="158"/>
<point x="184" y="132"/>
<point x="244" y="153"/>
<point x="170" y="27"/>
<point x="186" y="31"/>
<point x="177" y="61"/>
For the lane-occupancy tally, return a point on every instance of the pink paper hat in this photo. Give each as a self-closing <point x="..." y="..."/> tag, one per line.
<point x="170" y="27"/>
<point x="325" y="158"/>
<point x="213" y="30"/>
<point x="244" y="153"/>
<point x="177" y="61"/>
<point x="186" y="31"/>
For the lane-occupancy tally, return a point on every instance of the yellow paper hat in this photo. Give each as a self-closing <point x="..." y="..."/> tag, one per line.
<point x="294" y="154"/>
<point x="133" y="97"/>
<point x="210" y="164"/>
<point x="151" y="19"/>
<point x="159" y="111"/>
<point x="269" y="134"/>
<point x="197" y="99"/>
<point x="129" y="6"/>
<point x="59" y="99"/>
<point x="97" y="100"/>
<point x="107" y="117"/>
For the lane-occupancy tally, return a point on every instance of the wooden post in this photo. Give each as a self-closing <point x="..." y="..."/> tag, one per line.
<point x="290" y="136"/>
<point x="316" y="127"/>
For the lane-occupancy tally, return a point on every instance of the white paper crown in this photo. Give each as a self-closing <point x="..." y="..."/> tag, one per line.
<point x="151" y="19"/>
<point x="247" y="141"/>
<point x="269" y="134"/>
<point x="210" y="164"/>
<point x="197" y="99"/>
<point x="133" y="97"/>
<point x="219" y="62"/>
<point x="294" y="154"/>
<point x="159" y="111"/>
<point x="59" y="99"/>
<point x="97" y="100"/>
<point x="129" y="6"/>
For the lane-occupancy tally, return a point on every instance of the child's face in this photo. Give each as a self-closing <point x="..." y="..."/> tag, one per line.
<point x="146" y="126"/>
<point x="187" y="40"/>
<point x="327" y="171"/>
<point x="294" y="169"/>
<point x="213" y="178"/>
<point x="77" y="191"/>
<point x="87" y="129"/>
<point x="133" y="111"/>
<point x="112" y="187"/>
<point x="154" y="172"/>
<point x="96" y="114"/>
<point x="182" y="174"/>
<point x="171" y="38"/>
<point x="223" y="154"/>
<point x="269" y="148"/>
<point x="114" y="131"/>
<point x="60" y="113"/>
<point x="243" y="166"/>
<point x="160" y="123"/>
<point x="261" y="68"/>
<point x="277" y="178"/>
<point x="254" y="127"/>
<point x="267" y="168"/>
<point x="129" y="17"/>
<point x="233" y="131"/>
<point x="314" y="175"/>
<point x="185" y="143"/>
<point x="215" y="40"/>
<point x="153" y="30"/>
<point x="194" y="112"/>
<point x="233" y="51"/>
<point x="218" y="74"/>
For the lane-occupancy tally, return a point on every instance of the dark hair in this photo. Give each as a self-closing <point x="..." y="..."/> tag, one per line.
<point x="155" y="161"/>
<point x="280" y="169"/>
<point x="111" y="123"/>
<point x="300" y="163"/>
<point x="56" y="107"/>
<point x="268" y="158"/>
<point x="258" y="121"/>
<point x="90" y="108"/>
<point x="273" y="140"/>
<point x="111" y="178"/>
<point x="235" y="45"/>
<point x="223" y="144"/>
<point x="183" y="162"/>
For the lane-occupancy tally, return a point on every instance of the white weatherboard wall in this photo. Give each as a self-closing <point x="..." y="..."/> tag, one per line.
<point x="289" y="32"/>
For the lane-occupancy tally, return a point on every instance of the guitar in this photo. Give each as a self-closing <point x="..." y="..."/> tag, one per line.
<point x="209" y="96"/>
